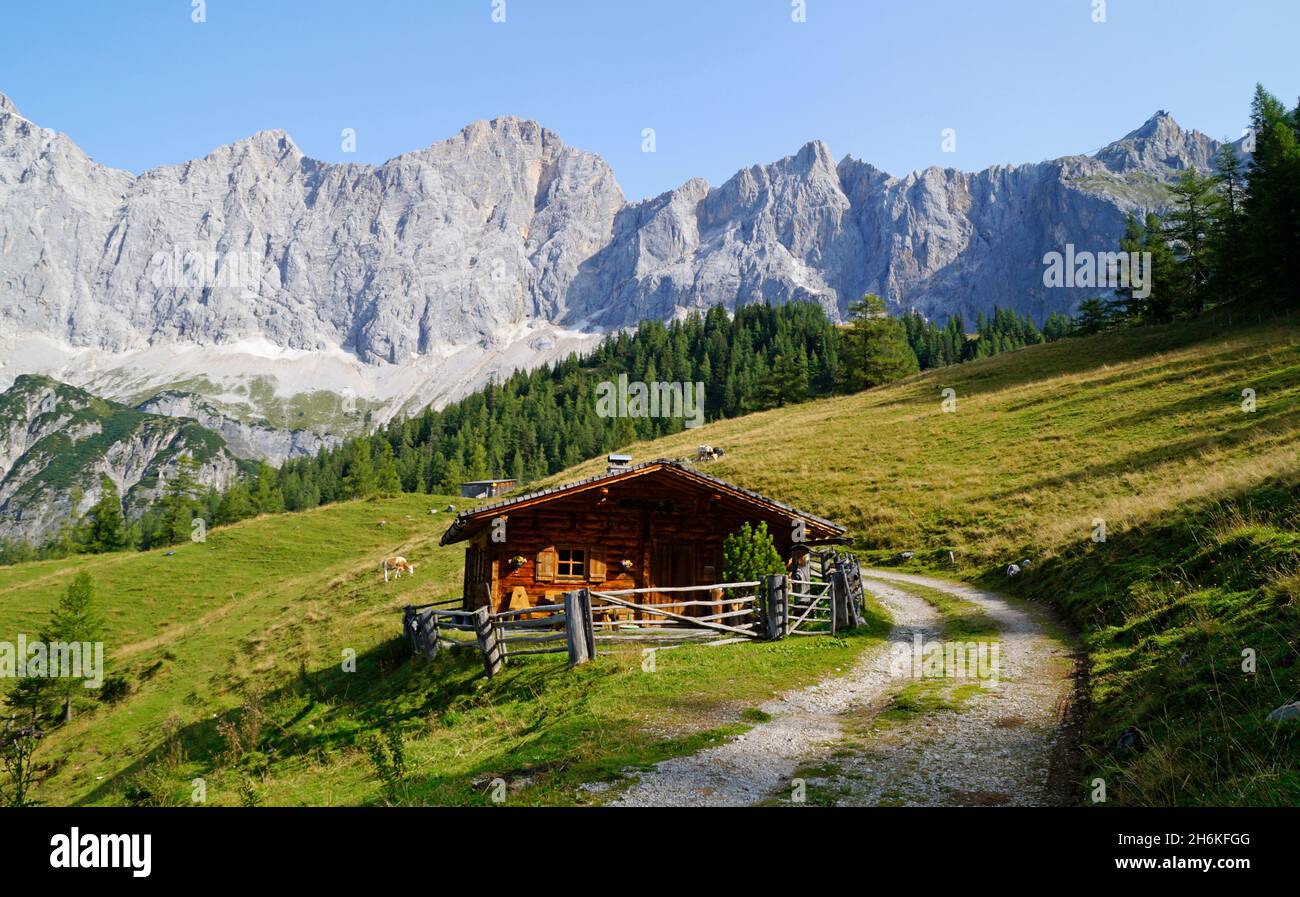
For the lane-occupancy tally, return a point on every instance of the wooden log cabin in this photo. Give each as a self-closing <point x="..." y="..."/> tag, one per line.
<point x="656" y="524"/>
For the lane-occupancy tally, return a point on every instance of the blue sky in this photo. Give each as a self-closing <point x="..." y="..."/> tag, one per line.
<point x="724" y="83"/>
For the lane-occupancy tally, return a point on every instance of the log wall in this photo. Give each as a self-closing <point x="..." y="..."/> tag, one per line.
<point x="642" y="522"/>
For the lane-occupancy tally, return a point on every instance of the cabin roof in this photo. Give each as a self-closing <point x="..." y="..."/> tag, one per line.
<point x="466" y="522"/>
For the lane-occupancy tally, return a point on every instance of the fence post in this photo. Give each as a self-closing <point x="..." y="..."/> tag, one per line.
<point x="588" y="627"/>
<point x="488" y="641"/>
<point x="421" y="631"/>
<point x="577" y="620"/>
<point x="408" y="626"/>
<point x="426" y="633"/>
<point x="776" y="605"/>
<point x="839" y="600"/>
<point x="857" y="591"/>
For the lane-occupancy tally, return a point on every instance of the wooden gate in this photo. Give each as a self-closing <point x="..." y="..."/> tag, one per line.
<point x="830" y="599"/>
<point x="811" y="608"/>
<point x="692" y="614"/>
<point x="855" y="595"/>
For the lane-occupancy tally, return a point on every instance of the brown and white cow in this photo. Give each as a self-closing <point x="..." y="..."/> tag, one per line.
<point x="398" y="565"/>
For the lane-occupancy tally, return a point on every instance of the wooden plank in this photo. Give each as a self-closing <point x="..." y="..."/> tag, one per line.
<point x="734" y="613"/>
<point x="536" y="609"/>
<point x="553" y="621"/>
<point x="840" y="602"/>
<point x="857" y="593"/>
<point x="679" y="635"/>
<point x="746" y="599"/>
<point x="705" y="588"/>
<point x="672" y="621"/>
<point x="538" y="651"/>
<point x="776" y="606"/>
<point x="713" y="644"/>
<point x="519" y="639"/>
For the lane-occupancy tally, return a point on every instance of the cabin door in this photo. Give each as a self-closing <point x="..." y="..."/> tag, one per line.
<point x="674" y="565"/>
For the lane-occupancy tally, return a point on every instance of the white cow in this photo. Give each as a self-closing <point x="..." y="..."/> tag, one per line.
<point x="398" y="565"/>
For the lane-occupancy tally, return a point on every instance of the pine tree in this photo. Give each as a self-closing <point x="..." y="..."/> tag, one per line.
<point x="876" y="349"/>
<point x="236" y="504"/>
<point x="387" y="482"/>
<point x="750" y="554"/>
<point x="267" y="497"/>
<point x="1058" y="326"/>
<point x="360" y="479"/>
<point x="1094" y="316"/>
<point x="785" y="384"/>
<point x="453" y="475"/>
<point x="1227" y="239"/>
<point x="73" y="620"/>
<point x="1146" y="240"/>
<point x="1189" y="225"/>
<point x="107" y="525"/>
<point x="1272" y="203"/>
<point x="176" y="508"/>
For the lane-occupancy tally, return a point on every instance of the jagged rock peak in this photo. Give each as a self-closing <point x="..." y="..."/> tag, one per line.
<point x="1159" y="144"/>
<point x="272" y="142"/>
<point x="508" y="126"/>
<point x="814" y="154"/>
<point x="1161" y="125"/>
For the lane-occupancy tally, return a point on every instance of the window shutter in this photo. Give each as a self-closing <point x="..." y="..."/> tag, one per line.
<point x="545" y="567"/>
<point x="596" y="564"/>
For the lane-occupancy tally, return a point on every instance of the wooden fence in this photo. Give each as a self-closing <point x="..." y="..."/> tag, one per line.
<point x="829" y="600"/>
<point x="546" y="629"/>
<point x="709" y="614"/>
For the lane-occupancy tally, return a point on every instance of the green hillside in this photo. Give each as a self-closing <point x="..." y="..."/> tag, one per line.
<point x="233" y="649"/>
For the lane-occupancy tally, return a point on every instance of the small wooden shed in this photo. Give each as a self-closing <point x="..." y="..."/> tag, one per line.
<point x="486" y="488"/>
<point x="655" y="524"/>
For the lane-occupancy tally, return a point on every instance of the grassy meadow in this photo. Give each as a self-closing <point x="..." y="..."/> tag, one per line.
<point x="233" y="649"/>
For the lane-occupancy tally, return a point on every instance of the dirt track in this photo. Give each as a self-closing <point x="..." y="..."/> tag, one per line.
<point x="966" y="743"/>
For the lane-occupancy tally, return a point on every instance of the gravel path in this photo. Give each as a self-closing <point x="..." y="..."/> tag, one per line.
<point x="1006" y="745"/>
<point x="998" y="748"/>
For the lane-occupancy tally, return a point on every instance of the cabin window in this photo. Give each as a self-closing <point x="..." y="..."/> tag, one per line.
<point x="571" y="563"/>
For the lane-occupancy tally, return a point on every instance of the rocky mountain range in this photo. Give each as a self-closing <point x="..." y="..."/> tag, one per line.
<point x="58" y="442"/>
<point x="258" y="280"/>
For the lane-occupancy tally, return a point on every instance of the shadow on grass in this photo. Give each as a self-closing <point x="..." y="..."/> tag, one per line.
<point x="534" y="725"/>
